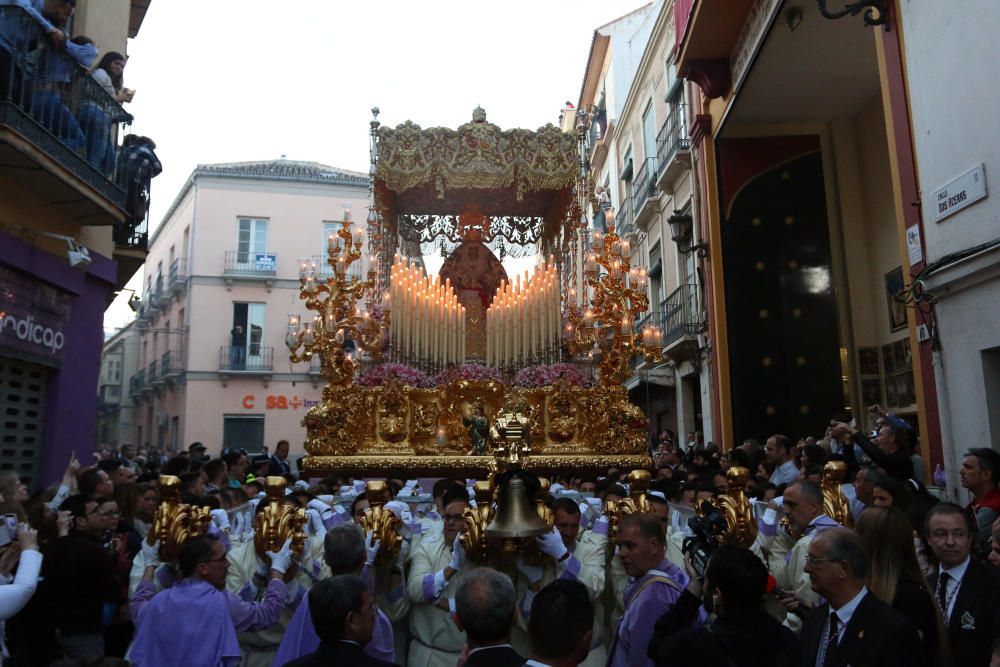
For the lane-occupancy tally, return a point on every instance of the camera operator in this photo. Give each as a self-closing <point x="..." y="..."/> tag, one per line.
<point x="742" y="633"/>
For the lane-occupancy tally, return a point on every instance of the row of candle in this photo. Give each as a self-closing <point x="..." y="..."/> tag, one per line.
<point x="428" y="322"/>
<point x="523" y="319"/>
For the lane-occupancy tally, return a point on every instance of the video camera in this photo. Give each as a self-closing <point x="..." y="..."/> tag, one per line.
<point x="706" y="528"/>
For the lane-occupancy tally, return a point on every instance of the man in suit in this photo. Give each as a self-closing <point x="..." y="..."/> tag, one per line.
<point x="853" y="627"/>
<point x="561" y="625"/>
<point x="278" y="463"/>
<point x="343" y="612"/>
<point x="485" y="610"/>
<point x="966" y="589"/>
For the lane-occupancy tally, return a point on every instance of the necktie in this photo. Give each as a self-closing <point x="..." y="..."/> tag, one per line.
<point x="942" y="594"/>
<point x="831" y="640"/>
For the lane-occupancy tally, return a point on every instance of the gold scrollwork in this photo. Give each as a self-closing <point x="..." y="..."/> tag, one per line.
<point x="175" y="522"/>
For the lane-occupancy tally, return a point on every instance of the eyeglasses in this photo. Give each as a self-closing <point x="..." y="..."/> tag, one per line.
<point x="214" y="560"/>
<point x="110" y="513"/>
<point x="453" y="517"/>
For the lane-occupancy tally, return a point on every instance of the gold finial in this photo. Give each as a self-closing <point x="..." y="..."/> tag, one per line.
<point x="479" y="114"/>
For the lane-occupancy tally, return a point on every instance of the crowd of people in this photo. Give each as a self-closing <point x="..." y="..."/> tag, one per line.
<point x="910" y="580"/>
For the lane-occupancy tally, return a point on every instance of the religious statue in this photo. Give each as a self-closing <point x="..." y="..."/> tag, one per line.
<point x="479" y="427"/>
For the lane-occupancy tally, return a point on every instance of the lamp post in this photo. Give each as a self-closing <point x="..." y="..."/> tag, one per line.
<point x="614" y="299"/>
<point x="335" y="303"/>
<point x="680" y="233"/>
<point x="876" y="11"/>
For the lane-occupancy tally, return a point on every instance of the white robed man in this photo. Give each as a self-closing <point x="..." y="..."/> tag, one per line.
<point x="573" y="559"/>
<point x="437" y="564"/>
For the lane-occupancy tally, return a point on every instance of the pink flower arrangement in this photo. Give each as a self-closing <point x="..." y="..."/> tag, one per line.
<point x="544" y="375"/>
<point x="407" y="375"/>
<point x="470" y="372"/>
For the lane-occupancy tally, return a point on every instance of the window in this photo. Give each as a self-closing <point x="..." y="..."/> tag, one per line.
<point x="649" y="133"/>
<point x="251" y="237"/>
<point x="249" y="317"/>
<point x="243" y="432"/>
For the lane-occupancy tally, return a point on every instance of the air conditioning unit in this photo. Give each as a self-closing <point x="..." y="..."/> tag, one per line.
<point x="161" y="419"/>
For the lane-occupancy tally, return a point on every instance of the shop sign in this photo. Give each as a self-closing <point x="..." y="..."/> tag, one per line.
<point x="964" y="191"/>
<point x="33" y="318"/>
<point x="277" y="402"/>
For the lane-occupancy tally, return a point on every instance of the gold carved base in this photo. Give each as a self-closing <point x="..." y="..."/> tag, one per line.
<point x="467" y="466"/>
<point x="369" y="430"/>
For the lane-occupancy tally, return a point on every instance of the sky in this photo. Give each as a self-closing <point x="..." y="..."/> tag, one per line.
<point x="241" y="80"/>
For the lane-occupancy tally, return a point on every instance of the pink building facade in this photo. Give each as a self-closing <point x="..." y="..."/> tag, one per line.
<point x="220" y="280"/>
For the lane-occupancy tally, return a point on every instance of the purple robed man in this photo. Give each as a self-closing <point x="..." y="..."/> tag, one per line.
<point x="345" y="552"/>
<point x="301" y="638"/>
<point x="195" y="621"/>
<point x="649" y="593"/>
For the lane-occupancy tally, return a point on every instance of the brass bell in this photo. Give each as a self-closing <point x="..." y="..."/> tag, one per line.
<point x="516" y="515"/>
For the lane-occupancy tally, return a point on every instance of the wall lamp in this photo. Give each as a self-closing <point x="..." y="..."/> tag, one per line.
<point x="681" y="225"/>
<point x="134" y="302"/>
<point x="876" y="11"/>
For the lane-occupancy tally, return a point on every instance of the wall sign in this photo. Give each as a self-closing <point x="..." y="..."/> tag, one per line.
<point x="277" y="402"/>
<point x="963" y="191"/>
<point x="265" y="262"/>
<point x="33" y="318"/>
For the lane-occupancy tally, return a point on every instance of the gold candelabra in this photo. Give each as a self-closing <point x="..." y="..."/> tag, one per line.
<point x="613" y="299"/>
<point x="334" y="299"/>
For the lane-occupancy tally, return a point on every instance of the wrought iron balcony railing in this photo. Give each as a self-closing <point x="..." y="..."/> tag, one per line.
<point x="178" y="275"/>
<point x="47" y="97"/>
<point x="644" y="185"/>
<point x="136" y="383"/>
<point x="672" y="137"/>
<point x="248" y="359"/>
<point x="250" y="263"/>
<point x="681" y="315"/>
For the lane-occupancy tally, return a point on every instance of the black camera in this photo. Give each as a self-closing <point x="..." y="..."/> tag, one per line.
<point x="706" y="528"/>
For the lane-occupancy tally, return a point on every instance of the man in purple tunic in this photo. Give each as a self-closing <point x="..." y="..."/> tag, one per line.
<point x="344" y="551"/>
<point x="649" y="593"/>
<point x="194" y="622"/>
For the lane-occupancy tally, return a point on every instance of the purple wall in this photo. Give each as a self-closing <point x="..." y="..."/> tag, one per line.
<point x="71" y="410"/>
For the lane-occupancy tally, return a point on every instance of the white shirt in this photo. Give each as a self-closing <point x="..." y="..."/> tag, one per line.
<point x="535" y="663"/>
<point x="786" y="473"/>
<point x="955" y="576"/>
<point x="487" y="648"/>
<point x="844" y="615"/>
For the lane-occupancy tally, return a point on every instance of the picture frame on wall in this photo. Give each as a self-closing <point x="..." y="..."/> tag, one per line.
<point x="904" y="389"/>
<point x="871" y="391"/>
<point x="888" y="367"/>
<point x="907" y="353"/>
<point x="868" y="360"/>
<point x="890" y="392"/>
<point x="899" y="355"/>
<point x="894" y="290"/>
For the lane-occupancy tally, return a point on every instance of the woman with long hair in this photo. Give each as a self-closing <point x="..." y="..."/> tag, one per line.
<point x="894" y="576"/>
<point x="93" y="115"/>
<point x="14" y="493"/>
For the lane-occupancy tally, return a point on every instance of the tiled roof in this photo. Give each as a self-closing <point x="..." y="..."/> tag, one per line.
<point x="283" y="169"/>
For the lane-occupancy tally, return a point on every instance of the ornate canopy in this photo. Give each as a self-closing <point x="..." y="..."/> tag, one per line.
<point x="519" y="183"/>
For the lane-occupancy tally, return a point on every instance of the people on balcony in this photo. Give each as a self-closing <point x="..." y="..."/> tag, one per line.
<point x="137" y="166"/>
<point x="57" y="63"/>
<point x="94" y="119"/>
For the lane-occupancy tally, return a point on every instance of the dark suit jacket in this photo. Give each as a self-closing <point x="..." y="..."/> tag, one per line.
<point x="975" y="618"/>
<point x="338" y="653"/>
<point x="500" y="656"/>
<point x="877" y="636"/>
<point x="276" y="466"/>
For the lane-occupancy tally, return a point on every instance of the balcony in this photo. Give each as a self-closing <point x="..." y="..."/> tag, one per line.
<point x="324" y="270"/>
<point x="110" y="396"/>
<point x="178" y="276"/>
<point x="255" y="360"/>
<point x="151" y="378"/>
<point x="247" y="265"/>
<point x="597" y="138"/>
<point x="681" y="322"/>
<point x="645" y="195"/>
<point x="625" y="226"/>
<point x="50" y="110"/>
<point x="673" y="148"/>
<point x="170" y="367"/>
<point x="136" y="383"/>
